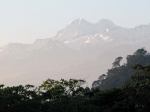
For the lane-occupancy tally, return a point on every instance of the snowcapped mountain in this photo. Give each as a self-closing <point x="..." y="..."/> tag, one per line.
<point x="80" y="33"/>
<point x="74" y="50"/>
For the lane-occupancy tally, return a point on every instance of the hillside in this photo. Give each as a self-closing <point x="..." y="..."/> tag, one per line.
<point x="79" y="50"/>
<point x="119" y="75"/>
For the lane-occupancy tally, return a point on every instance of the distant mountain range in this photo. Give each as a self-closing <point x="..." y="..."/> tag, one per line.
<point x="72" y="52"/>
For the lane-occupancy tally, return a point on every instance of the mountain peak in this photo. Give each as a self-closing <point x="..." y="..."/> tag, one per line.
<point x="105" y="22"/>
<point x="79" y="21"/>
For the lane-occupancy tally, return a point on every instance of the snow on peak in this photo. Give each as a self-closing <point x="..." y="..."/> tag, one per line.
<point x="107" y="30"/>
<point x="80" y="28"/>
<point x="79" y="22"/>
<point x="73" y="30"/>
<point x="83" y="33"/>
<point x="3" y="48"/>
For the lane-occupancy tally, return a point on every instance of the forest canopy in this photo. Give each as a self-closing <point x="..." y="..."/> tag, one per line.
<point x="119" y="75"/>
<point x="125" y="88"/>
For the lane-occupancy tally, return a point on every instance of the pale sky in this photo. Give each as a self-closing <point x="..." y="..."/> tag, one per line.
<point x="24" y="21"/>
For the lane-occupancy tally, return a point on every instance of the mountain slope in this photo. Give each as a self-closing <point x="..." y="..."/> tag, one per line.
<point x="79" y="50"/>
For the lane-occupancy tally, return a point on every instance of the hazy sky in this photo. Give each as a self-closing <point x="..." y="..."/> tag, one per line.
<point x="26" y="20"/>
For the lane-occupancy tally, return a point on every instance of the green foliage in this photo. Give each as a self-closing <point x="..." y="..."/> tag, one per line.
<point x="18" y="98"/>
<point x="70" y="96"/>
<point x="130" y="97"/>
<point x="52" y="95"/>
<point x="116" y="63"/>
<point x="120" y="75"/>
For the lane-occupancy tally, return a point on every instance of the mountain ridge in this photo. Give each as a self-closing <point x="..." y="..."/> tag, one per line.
<point x="84" y="47"/>
<point x="83" y="32"/>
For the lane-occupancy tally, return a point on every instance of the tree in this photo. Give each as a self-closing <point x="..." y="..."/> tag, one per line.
<point x="138" y="93"/>
<point x="65" y="94"/>
<point x="141" y="51"/>
<point x="120" y="75"/>
<point x="96" y="84"/>
<point x="19" y="99"/>
<point x="116" y="63"/>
